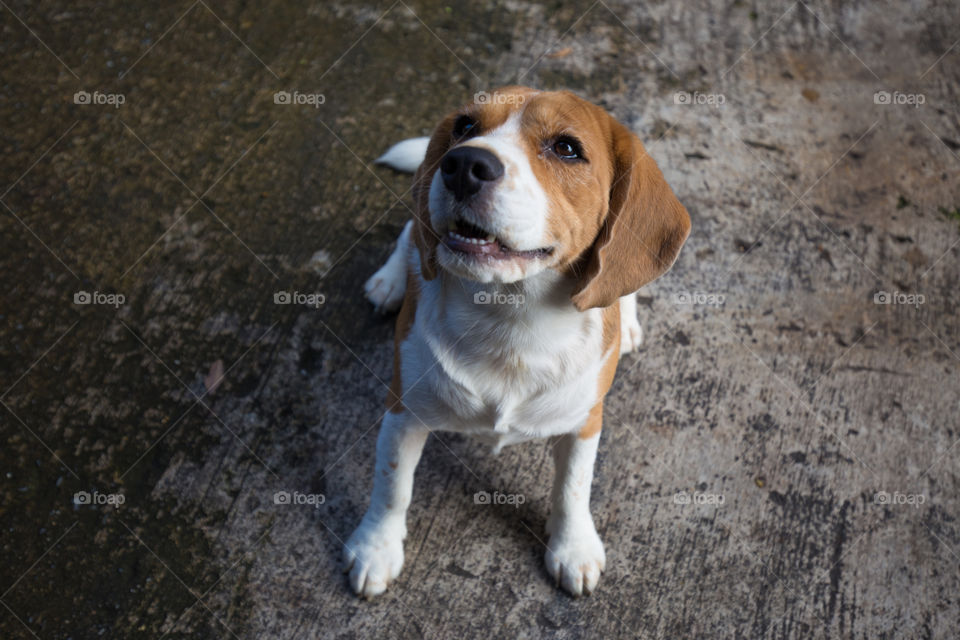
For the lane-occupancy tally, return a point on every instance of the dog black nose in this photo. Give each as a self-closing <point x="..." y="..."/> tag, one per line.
<point x="466" y="169"/>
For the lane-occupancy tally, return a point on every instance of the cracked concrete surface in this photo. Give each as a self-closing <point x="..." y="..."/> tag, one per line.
<point x="778" y="460"/>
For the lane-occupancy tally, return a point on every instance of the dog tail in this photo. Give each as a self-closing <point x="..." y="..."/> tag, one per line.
<point x="405" y="156"/>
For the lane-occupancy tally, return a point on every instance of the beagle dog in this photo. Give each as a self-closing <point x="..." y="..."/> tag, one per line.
<point x="537" y="218"/>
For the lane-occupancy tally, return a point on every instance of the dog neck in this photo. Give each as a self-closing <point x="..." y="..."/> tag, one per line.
<point x="534" y="313"/>
<point x="547" y="292"/>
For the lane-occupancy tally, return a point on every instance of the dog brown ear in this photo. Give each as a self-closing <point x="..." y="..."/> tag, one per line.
<point x="642" y="233"/>
<point x="425" y="237"/>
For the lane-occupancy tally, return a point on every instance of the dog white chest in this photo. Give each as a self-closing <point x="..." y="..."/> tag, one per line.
<point x="501" y="375"/>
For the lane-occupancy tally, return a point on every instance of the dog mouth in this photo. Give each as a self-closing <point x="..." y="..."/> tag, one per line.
<point x="468" y="238"/>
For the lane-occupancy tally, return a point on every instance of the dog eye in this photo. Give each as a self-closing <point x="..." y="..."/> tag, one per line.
<point x="568" y="149"/>
<point x="463" y="126"/>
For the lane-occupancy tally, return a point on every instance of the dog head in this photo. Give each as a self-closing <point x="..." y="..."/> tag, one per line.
<point x="524" y="181"/>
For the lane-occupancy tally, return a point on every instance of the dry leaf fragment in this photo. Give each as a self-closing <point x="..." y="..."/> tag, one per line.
<point x="214" y="377"/>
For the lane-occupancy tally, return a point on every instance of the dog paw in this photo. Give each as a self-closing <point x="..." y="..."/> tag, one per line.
<point x="631" y="334"/>
<point x="374" y="557"/>
<point x="385" y="288"/>
<point x="575" y="558"/>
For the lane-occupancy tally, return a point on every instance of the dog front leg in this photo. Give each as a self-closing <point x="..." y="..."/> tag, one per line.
<point x="575" y="556"/>
<point x="374" y="553"/>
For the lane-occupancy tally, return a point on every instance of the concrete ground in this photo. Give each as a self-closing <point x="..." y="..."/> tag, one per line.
<point x="778" y="461"/>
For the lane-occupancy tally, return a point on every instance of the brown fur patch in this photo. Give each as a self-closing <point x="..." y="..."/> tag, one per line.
<point x="642" y="232"/>
<point x="594" y="422"/>
<point x="578" y="191"/>
<point x="408" y="312"/>
<point x="611" y="346"/>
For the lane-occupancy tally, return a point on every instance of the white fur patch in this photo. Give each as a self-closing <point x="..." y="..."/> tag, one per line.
<point x="575" y="556"/>
<point x="631" y="333"/>
<point x="386" y="287"/>
<point x="374" y="553"/>
<point x="406" y="155"/>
